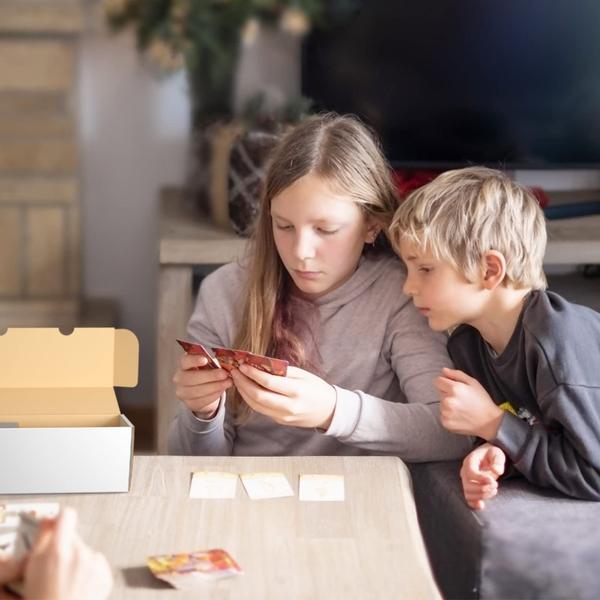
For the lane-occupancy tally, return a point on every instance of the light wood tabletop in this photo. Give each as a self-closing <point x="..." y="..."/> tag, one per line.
<point x="367" y="546"/>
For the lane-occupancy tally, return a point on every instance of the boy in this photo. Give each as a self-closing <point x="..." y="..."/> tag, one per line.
<point x="473" y="243"/>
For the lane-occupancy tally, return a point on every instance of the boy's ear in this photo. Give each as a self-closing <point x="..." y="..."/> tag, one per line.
<point x="494" y="269"/>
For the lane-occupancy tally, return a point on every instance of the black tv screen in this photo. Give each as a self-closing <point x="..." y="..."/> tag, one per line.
<point x="510" y="83"/>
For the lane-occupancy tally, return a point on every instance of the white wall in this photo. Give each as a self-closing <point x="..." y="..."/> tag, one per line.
<point x="134" y="137"/>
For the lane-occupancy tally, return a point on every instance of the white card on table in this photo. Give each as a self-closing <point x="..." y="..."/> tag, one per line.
<point x="321" y="488"/>
<point x="213" y="484"/>
<point x="266" y="485"/>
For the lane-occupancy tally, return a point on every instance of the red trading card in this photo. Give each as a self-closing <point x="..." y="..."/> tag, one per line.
<point x="232" y="359"/>
<point x="200" y="350"/>
<point x="275" y="366"/>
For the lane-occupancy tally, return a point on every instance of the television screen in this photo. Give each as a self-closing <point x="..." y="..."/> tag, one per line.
<point x="447" y="83"/>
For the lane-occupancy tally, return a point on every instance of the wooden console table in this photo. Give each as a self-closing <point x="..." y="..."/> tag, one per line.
<point x="187" y="240"/>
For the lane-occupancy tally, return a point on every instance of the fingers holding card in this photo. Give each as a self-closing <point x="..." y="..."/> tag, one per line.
<point x="19" y="523"/>
<point x="199" y="350"/>
<point x="229" y="359"/>
<point x="232" y="359"/>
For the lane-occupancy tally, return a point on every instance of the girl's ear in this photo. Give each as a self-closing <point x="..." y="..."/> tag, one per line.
<point x="373" y="229"/>
<point x="494" y="269"/>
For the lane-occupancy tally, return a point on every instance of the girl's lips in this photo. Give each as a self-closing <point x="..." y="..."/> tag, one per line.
<point x="424" y="311"/>
<point x="308" y="274"/>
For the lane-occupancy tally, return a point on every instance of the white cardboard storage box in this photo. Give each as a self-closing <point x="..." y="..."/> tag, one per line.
<point x="61" y="430"/>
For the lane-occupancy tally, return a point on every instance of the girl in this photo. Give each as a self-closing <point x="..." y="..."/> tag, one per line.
<point x="321" y="288"/>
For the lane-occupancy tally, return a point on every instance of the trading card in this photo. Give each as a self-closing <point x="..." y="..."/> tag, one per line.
<point x="26" y="535"/>
<point x="232" y="359"/>
<point x="321" y="488"/>
<point x="200" y="350"/>
<point x="213" y="484"/>
<point x="10" y="512"/>
<point x="266" y="485"/>
<point x="19" y="522"/>
<point x="275" y="366"/>
<point x="190" y="569"/>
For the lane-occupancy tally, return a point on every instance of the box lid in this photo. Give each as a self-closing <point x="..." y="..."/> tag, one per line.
<point x="46" y="372"/>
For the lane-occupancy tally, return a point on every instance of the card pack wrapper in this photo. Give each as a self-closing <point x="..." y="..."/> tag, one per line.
<point x="188" y="570"/>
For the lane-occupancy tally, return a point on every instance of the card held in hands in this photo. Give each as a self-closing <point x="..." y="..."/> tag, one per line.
<point x="213" y="484"/>
<point x="232" y="359"/>
<point x="259" y="486"/>
<point x="19" y="523"/>
<point x="199" y="350"/>
<point x="321" y="488"/>
<point x="189" y="570"/>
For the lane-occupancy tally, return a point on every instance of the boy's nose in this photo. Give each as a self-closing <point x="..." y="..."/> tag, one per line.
<point x="408" y="287"/>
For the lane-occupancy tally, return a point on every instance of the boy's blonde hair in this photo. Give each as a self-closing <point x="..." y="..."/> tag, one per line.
<point x="464" y="213"/>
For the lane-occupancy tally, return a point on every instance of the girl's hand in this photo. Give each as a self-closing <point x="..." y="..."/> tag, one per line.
<point x="200" y="388"/>
<point x="480" y="470"/>
<point x="465" y="406"/>
<point x="299" y="399"/>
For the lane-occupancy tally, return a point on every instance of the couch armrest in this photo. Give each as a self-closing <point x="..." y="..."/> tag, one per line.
<point x="528" y="542"/>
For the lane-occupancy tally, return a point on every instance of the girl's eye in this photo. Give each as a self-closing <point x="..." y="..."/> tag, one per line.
<point x="283" y="227"/>
<point x="327" y="231"/>
<point x="425" y="269"/>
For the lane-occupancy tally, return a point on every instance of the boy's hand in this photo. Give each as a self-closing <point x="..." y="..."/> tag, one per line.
<point x="480" y="470"/>
<point x="465" y="406"/>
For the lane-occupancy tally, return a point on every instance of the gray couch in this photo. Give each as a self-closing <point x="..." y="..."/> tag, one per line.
<point x="527" y="543"/>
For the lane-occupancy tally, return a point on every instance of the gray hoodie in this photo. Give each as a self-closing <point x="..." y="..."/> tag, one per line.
<point x="549" y="373"/>
<point x="370" y="339"/>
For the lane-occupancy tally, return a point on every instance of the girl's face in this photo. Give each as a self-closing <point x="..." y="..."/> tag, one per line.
<point x="319" y="234"/>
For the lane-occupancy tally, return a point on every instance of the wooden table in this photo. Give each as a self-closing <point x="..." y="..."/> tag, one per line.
<point x="187" y="240"/>
<point x="368" y="546"/>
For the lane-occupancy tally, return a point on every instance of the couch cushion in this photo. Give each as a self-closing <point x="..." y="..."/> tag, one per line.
<point x="527" y="543"/>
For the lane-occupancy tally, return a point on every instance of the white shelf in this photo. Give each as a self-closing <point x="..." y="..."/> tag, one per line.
<point x="573" y="241"/>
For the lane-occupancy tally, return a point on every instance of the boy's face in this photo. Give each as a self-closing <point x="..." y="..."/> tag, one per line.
<point x="438" y="290"/>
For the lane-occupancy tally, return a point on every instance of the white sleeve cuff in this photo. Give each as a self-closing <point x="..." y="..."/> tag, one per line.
<point x="346" y="414"/>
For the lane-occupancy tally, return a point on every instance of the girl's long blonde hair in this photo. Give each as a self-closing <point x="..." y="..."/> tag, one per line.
<point x="341" y="150"/>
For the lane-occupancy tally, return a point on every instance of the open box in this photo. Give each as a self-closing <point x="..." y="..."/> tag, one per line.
<point x="61" y="430"/>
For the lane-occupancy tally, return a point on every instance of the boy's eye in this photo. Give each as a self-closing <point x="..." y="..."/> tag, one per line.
<point x="425" y="269"/>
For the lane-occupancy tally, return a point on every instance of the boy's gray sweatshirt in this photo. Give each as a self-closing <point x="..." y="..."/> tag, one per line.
<point x="376" y="350"/>
<point x="550" y="373"/>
